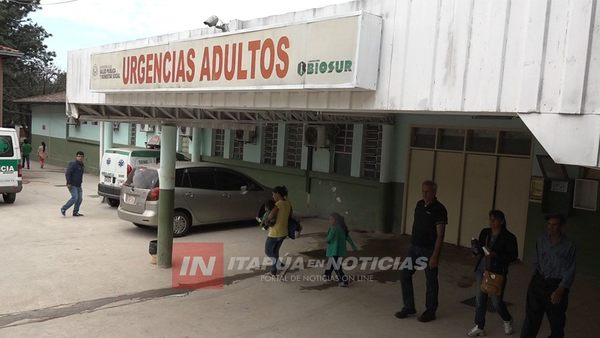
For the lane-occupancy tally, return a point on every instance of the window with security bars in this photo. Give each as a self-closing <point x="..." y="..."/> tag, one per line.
<point x="371" y="161"/>
<point x="293" y="148"/>
<point x="342" y="161"/>
<point x="270" y="144"/>
<point x="238" y="149"/>
<point x="219" y="142"/>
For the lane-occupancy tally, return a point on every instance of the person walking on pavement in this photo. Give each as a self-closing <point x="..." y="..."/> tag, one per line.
<point x="337" y="236"/>
<point x="500" y="251"/>
<point x="548" y="291"/>
<point x="74" y="176"/>
<point x="26" y="151"/>
<point x="279" y="215"/>
<point x="429" y="225"/>
<point x="42" y="154"/>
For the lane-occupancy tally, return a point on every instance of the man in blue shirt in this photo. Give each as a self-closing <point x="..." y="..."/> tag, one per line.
<point x="549" y="288"/>
<point x="74" y="176"/>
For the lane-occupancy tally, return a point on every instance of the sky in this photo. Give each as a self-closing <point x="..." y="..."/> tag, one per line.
<point x="78" y="24"/>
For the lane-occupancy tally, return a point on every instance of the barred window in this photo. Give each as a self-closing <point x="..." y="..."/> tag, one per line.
<point x="270" y="144"/>
<point x="219" y="142"/>
<point x="238" y="149"/>
<point x="342" y="161"/>
<point x="293" y="149"/>
<point x="371" y="161"/>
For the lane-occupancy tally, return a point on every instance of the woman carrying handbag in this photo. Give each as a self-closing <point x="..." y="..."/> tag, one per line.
<point x="496" y="249"/>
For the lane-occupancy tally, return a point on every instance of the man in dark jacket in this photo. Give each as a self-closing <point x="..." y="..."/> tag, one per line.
<point x="74" y="176"/>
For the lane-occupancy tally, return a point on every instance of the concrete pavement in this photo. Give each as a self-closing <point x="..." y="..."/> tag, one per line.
<point x="90" y="276"/>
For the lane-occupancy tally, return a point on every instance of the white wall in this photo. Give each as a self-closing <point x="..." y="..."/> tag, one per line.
<point x="480" y="56"/>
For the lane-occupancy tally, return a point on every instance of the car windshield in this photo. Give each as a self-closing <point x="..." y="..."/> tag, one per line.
<point x="143" y="178"/>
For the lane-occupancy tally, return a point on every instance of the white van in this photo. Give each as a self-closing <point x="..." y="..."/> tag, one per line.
<point x="117" y="163"/>
<point x="11" y="173"/>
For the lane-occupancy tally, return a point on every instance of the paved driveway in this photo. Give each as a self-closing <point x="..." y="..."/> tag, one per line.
<point x="73" y="277"/>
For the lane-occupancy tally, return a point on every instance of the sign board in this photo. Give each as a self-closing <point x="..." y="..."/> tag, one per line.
<point x="335" y="53"/>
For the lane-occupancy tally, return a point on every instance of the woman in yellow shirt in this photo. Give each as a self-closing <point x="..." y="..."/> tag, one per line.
<point x="279" y="231"/>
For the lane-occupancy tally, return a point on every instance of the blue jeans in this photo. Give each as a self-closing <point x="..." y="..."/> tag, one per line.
<point x="481" y="303"/>
<point x="272" y="246"/>
<point x="76" y="198"/>
<point x="431" y="275"/>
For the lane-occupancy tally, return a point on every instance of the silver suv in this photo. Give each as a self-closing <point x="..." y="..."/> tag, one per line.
<point x="205" y="193"/>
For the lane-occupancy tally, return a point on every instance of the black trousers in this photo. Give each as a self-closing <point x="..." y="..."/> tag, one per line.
<point x="334" y="263"/>
<point x="538" y="304"/>
<point x="431" y="275"/>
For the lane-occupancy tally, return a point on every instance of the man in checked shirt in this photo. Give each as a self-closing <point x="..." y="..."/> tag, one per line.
<point x="549" y="288"/>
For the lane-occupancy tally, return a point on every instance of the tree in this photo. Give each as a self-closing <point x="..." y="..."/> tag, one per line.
<point x="30" y="75"/>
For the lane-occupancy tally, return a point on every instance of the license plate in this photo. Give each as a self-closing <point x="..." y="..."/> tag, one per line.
<point x="107" y="179"/>
<point x="129" y="199"/>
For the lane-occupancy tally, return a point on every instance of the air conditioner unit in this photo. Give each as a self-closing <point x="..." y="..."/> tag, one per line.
<point x="246" y="136"/>
<point x="116" y="125"/>
<point x="316" y="136"/>
<point x="146" y="127"/>
<point x="72" y="121"/>
<point x="185" y="131"/>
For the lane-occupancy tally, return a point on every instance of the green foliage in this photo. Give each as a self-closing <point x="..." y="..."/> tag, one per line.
<point x="30" y="75"/>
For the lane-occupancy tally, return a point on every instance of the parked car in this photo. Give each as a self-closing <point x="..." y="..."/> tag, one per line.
<point x="11" y="173"/>
<point x="117" y="163"/>
<point x="205" y="193"/>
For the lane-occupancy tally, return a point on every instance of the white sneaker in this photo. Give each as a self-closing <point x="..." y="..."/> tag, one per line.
<point x="508" y="328"/>
<point x="476" y="332"/>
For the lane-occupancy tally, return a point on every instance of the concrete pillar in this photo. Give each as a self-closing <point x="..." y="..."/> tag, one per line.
<point x="100" y="143"/>
<point x="228" y="144"/>
<point x="196" y="146"/>
<point x="357" y="150"/>
<point x="281" y="131"/>
<point x="166" y="200"/>
<point x="108" y="135"/>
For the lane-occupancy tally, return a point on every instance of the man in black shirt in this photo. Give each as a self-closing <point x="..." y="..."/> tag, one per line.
<point x="429" y="225"/>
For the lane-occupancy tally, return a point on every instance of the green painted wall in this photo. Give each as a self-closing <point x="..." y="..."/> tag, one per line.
<point x="329" y="193"/>
<point x="61" y="151"/>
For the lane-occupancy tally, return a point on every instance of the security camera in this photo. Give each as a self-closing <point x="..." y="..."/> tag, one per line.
<point x="212" y="21"/>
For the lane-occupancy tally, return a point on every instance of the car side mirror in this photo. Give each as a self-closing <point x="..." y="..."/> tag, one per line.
<point x="244" y="189"/>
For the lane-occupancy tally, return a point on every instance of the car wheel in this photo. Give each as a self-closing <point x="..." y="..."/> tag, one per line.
<point x="181" y="223"/>
<point x="113" y="202"/>
<point x="9" y="198"/>
<point x="261" y="211"/>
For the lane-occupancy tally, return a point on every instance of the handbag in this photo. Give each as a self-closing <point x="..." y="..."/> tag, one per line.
<point x="491" y="283"/>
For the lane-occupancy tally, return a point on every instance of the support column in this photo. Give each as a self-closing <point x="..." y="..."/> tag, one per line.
<point x="357" y="150"/>
<point x="166" y="200"/>
<point x="196" y="146"/>
<point x="228" y="144"/>
<point x="281" y="137"/>
<point x="108" y="136"/>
